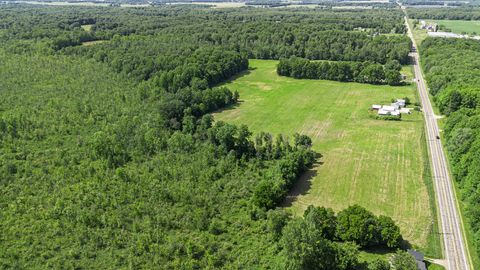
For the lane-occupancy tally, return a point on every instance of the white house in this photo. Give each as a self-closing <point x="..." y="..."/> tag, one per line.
<point x="388" y="108"/>
<point x="376" y="107"/>
<point x="383" y="112"/>
<point x="400" y="102"/>
<point x="405" y="110"/>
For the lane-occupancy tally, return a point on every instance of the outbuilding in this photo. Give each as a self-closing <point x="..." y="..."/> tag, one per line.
<point x="383" y="112"/>
<point x="388" y="108"/>
<point x="401" y="102"/>
<point x="376" y="107"/>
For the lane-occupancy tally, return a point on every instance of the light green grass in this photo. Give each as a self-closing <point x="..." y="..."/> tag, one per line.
<point x="93" y="42"/>
<point x="459" y="27"/>
<point x="87" y="27"/>
<point x="407" y="71"/>
<point x="418" y="34"/>
<point x="377" y="164"/>
<point x="432" y="266"/>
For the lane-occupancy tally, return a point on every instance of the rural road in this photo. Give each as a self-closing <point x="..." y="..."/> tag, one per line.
<point x="450" y="221"/>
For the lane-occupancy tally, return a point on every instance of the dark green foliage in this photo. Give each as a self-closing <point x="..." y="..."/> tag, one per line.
<point x="277" y="220"/>
<point x="379" y="264"/>
<point x="293" y="161"/>
<point x="308" y="242"/>
<point x="306" y="248"/>
<point x="362" y="72"/>
<point x="453" y="73"/>
<point x="461" y="13"/>
<point x="362" y="227"/>
<point x="109" y="160"/>
<point x="404" y="261"/>
<point x="359" y="225"/>
<point x="389" y="232"/>
<point x="323" y="219"/>
<point x="91" y="178"/>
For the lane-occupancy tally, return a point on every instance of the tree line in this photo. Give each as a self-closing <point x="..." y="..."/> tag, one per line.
<point x="324" y="34"/>
<point x="325" y="240"/>
<point x="458" y="13"/>
<point x="362" y="72"/>
<point x="451" y="67"/>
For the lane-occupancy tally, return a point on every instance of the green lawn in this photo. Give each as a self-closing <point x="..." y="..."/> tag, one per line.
<point x="418" y="34"/>
<point x="87" y="27"/>
<point x="377" y="164"/>
<point x="459" y="27"/>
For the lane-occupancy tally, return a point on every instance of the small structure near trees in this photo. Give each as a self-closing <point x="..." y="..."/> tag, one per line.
<point x="396" y="108"/>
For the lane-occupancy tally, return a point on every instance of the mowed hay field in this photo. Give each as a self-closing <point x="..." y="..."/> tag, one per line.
<point x="458" y="26"/>
<point x="377" y="164"/>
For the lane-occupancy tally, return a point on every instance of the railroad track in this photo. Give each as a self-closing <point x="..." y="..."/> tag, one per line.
<point x="455" y="251"/>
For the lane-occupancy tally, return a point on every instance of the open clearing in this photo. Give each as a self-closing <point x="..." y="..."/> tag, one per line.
<point x="87" y="27"/>
<point x="460" y="27"/>
<point x="377" y="164"/>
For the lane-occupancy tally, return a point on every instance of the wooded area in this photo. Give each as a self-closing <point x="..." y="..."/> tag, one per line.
<point x="452" y="70"/>
<point x="460" y="13"/>
<point x="109" y="158"/>
<point x="362" y="72"/>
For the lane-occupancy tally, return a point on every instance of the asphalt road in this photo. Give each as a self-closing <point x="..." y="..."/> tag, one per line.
<point x="450" y="224"/>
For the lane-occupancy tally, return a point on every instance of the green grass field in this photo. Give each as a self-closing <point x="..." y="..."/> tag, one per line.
<point x="377" y="164"/>
<point x="460" y="27"/>
<point x="418" y="34"/>
<point x="87" y="27"/>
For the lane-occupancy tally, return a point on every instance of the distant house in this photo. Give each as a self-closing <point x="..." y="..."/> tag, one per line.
<point x="405" y="110"/>
<point x="383" y="112"/>
<point x="419" y="258"/>
<point x="394" y="109"/>
<point x="430" y="27"/>
<point x="423" y="24"/>
<point x="388" y="108"/>
<point x="400" y="102"/>
<point x="395" y="113"/>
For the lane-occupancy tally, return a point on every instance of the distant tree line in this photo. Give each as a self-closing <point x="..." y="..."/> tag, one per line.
<point x="362" y="72"/>
<point x="319" y="35"/>
<point x="460" y="13"/>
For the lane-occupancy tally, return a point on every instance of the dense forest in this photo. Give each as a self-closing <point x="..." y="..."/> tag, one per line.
<point x="453" y="72"/>
<point x="110" y="159"/>
<point x="460" y="13"/>
<point x="362" y="72"/>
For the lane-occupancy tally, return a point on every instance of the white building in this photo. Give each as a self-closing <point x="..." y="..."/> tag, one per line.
<point x="400" y="102"/>
<point x="388" y="108"/>
<point x="383" y="112"/>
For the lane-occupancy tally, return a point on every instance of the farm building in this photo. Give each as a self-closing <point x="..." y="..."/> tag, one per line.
<point x="383" y="112"/>
<point x="388" y="108"/>
<point x="395" y="109"/>
<point x="395" y="105"/>
<point x="400" y="102"/>
<point x="405" y="110"/>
